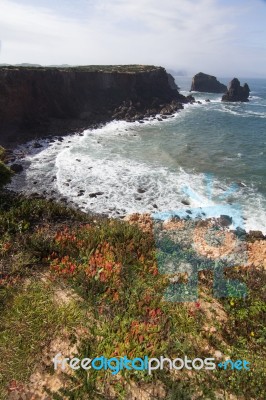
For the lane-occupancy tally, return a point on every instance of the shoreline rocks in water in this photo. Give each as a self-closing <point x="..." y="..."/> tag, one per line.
<point x="236" y="92"/>
<point x="207" y="83"/>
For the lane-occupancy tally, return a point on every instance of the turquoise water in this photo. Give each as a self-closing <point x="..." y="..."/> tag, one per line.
<point x="211" y="155"/>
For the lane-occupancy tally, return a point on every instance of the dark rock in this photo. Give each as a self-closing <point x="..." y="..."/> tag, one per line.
<point x="17" y="168"/>
<point x="206" y="83"/>
<point x="235" y="92"/>
<point x="35" y="196"/>
<point x="185" y="202"/>
<point x="199" y="102"/>
<point x="189" y="99"/>
<point x="141" y="190"/>
<point x="155" y="206"/>
<point x="225" y="220"/>
<point x="95" y="194"/>
<point x="159" y="119"/>
<point x="171" y="81"/>
<point x="37" y="145"/>
<point x="188" y="212"/>
<point x="207" y="100"/>
<point x="256" y="235"/>
<point x="241" y="233"/>
<point x="167" y="110"/>
<point x="241" y="184"/>
<point x="77" y="159"/>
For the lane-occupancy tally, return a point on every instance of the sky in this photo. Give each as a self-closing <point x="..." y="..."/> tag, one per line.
<point x="225" y="38"/>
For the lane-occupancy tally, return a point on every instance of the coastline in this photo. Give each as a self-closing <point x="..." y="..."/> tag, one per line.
<point x="34" y="147"/>
<point x="41" y="102"/>
<point x="63" y="244"/>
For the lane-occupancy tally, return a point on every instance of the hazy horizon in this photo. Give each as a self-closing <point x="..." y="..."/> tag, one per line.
<point x="219" y="37"/>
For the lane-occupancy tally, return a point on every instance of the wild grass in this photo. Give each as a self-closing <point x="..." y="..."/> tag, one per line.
<point x="112" y="267"/>
<point x="30" y="319"/>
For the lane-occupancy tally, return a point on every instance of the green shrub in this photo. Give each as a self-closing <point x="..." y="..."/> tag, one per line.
<point x="2" y="154"/>
<point x="5" y="174"/>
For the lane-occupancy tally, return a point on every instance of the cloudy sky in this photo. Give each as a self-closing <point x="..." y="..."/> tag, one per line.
<point x="220" y="37"/>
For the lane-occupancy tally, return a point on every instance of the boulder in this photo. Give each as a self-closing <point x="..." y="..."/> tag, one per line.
<point x="255" y="235"/>
<point x="225" y="220"/>
<point x="235" y="92"/>
<point x="207" y="83"/>
<point x="96" y="194"/>
<point x="17" y="168"/>
<point x="37" y="145"/>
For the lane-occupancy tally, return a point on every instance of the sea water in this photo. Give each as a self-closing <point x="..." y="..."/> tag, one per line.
<point x="209" y="156"/>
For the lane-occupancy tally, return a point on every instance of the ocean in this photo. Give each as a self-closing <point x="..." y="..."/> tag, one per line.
<point x="208" y="160"/>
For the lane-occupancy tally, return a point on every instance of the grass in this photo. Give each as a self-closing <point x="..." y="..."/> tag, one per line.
<point x="112" y="268"/>
<point x="132" y="68"/>
<point x="5" y="172"/>
<point x="30" y="319"/>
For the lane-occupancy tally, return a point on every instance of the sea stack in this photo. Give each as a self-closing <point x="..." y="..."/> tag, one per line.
<point x="207" y="83"/>
<point x="235" y="92"/>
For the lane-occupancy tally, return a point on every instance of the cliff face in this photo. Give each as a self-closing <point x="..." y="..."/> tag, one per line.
<point x="43" y="101"/>
<point x="207" y="83"/>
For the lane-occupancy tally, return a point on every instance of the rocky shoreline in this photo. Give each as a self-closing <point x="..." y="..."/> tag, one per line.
<point x="14" y="159"/>
<point x="137" y="110"/>
<point x="212" y="238"/>
<point x="42" y="102"/>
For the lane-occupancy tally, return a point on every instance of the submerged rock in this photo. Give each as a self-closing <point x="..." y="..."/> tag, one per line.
<point x="95" y="194"/>
<point x="235" y="92"/>
<point x="207" y="83"/>
<point x="17" y="168"/>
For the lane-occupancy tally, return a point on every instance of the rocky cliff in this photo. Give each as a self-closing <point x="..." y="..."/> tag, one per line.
<point x="207" y="83"/>
<point x="236" y="92"/>
<point x="38" y="101"/>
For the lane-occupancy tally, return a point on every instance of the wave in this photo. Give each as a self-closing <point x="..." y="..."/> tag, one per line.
<point x="95" y="173"/>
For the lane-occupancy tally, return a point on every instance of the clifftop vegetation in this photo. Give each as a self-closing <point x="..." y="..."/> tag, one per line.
<point x="133" y="68"/>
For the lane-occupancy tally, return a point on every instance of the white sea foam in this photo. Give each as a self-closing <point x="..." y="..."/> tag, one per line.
<point x="79" y="167"/>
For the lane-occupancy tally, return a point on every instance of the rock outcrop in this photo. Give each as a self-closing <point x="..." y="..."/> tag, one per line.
<point x="172" y="83"/>
<point x="235" y="92"/>
<point x="206" y="83"/>
<point x="40" y="101"/>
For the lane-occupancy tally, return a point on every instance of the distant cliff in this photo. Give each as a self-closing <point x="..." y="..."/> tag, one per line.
<point x="38" y="101"/>
<point x="207" y="83"/>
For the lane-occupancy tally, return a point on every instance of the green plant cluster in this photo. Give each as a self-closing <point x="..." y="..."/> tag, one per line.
<point x="111" y="267"/>
<point x="5" y="172"/>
